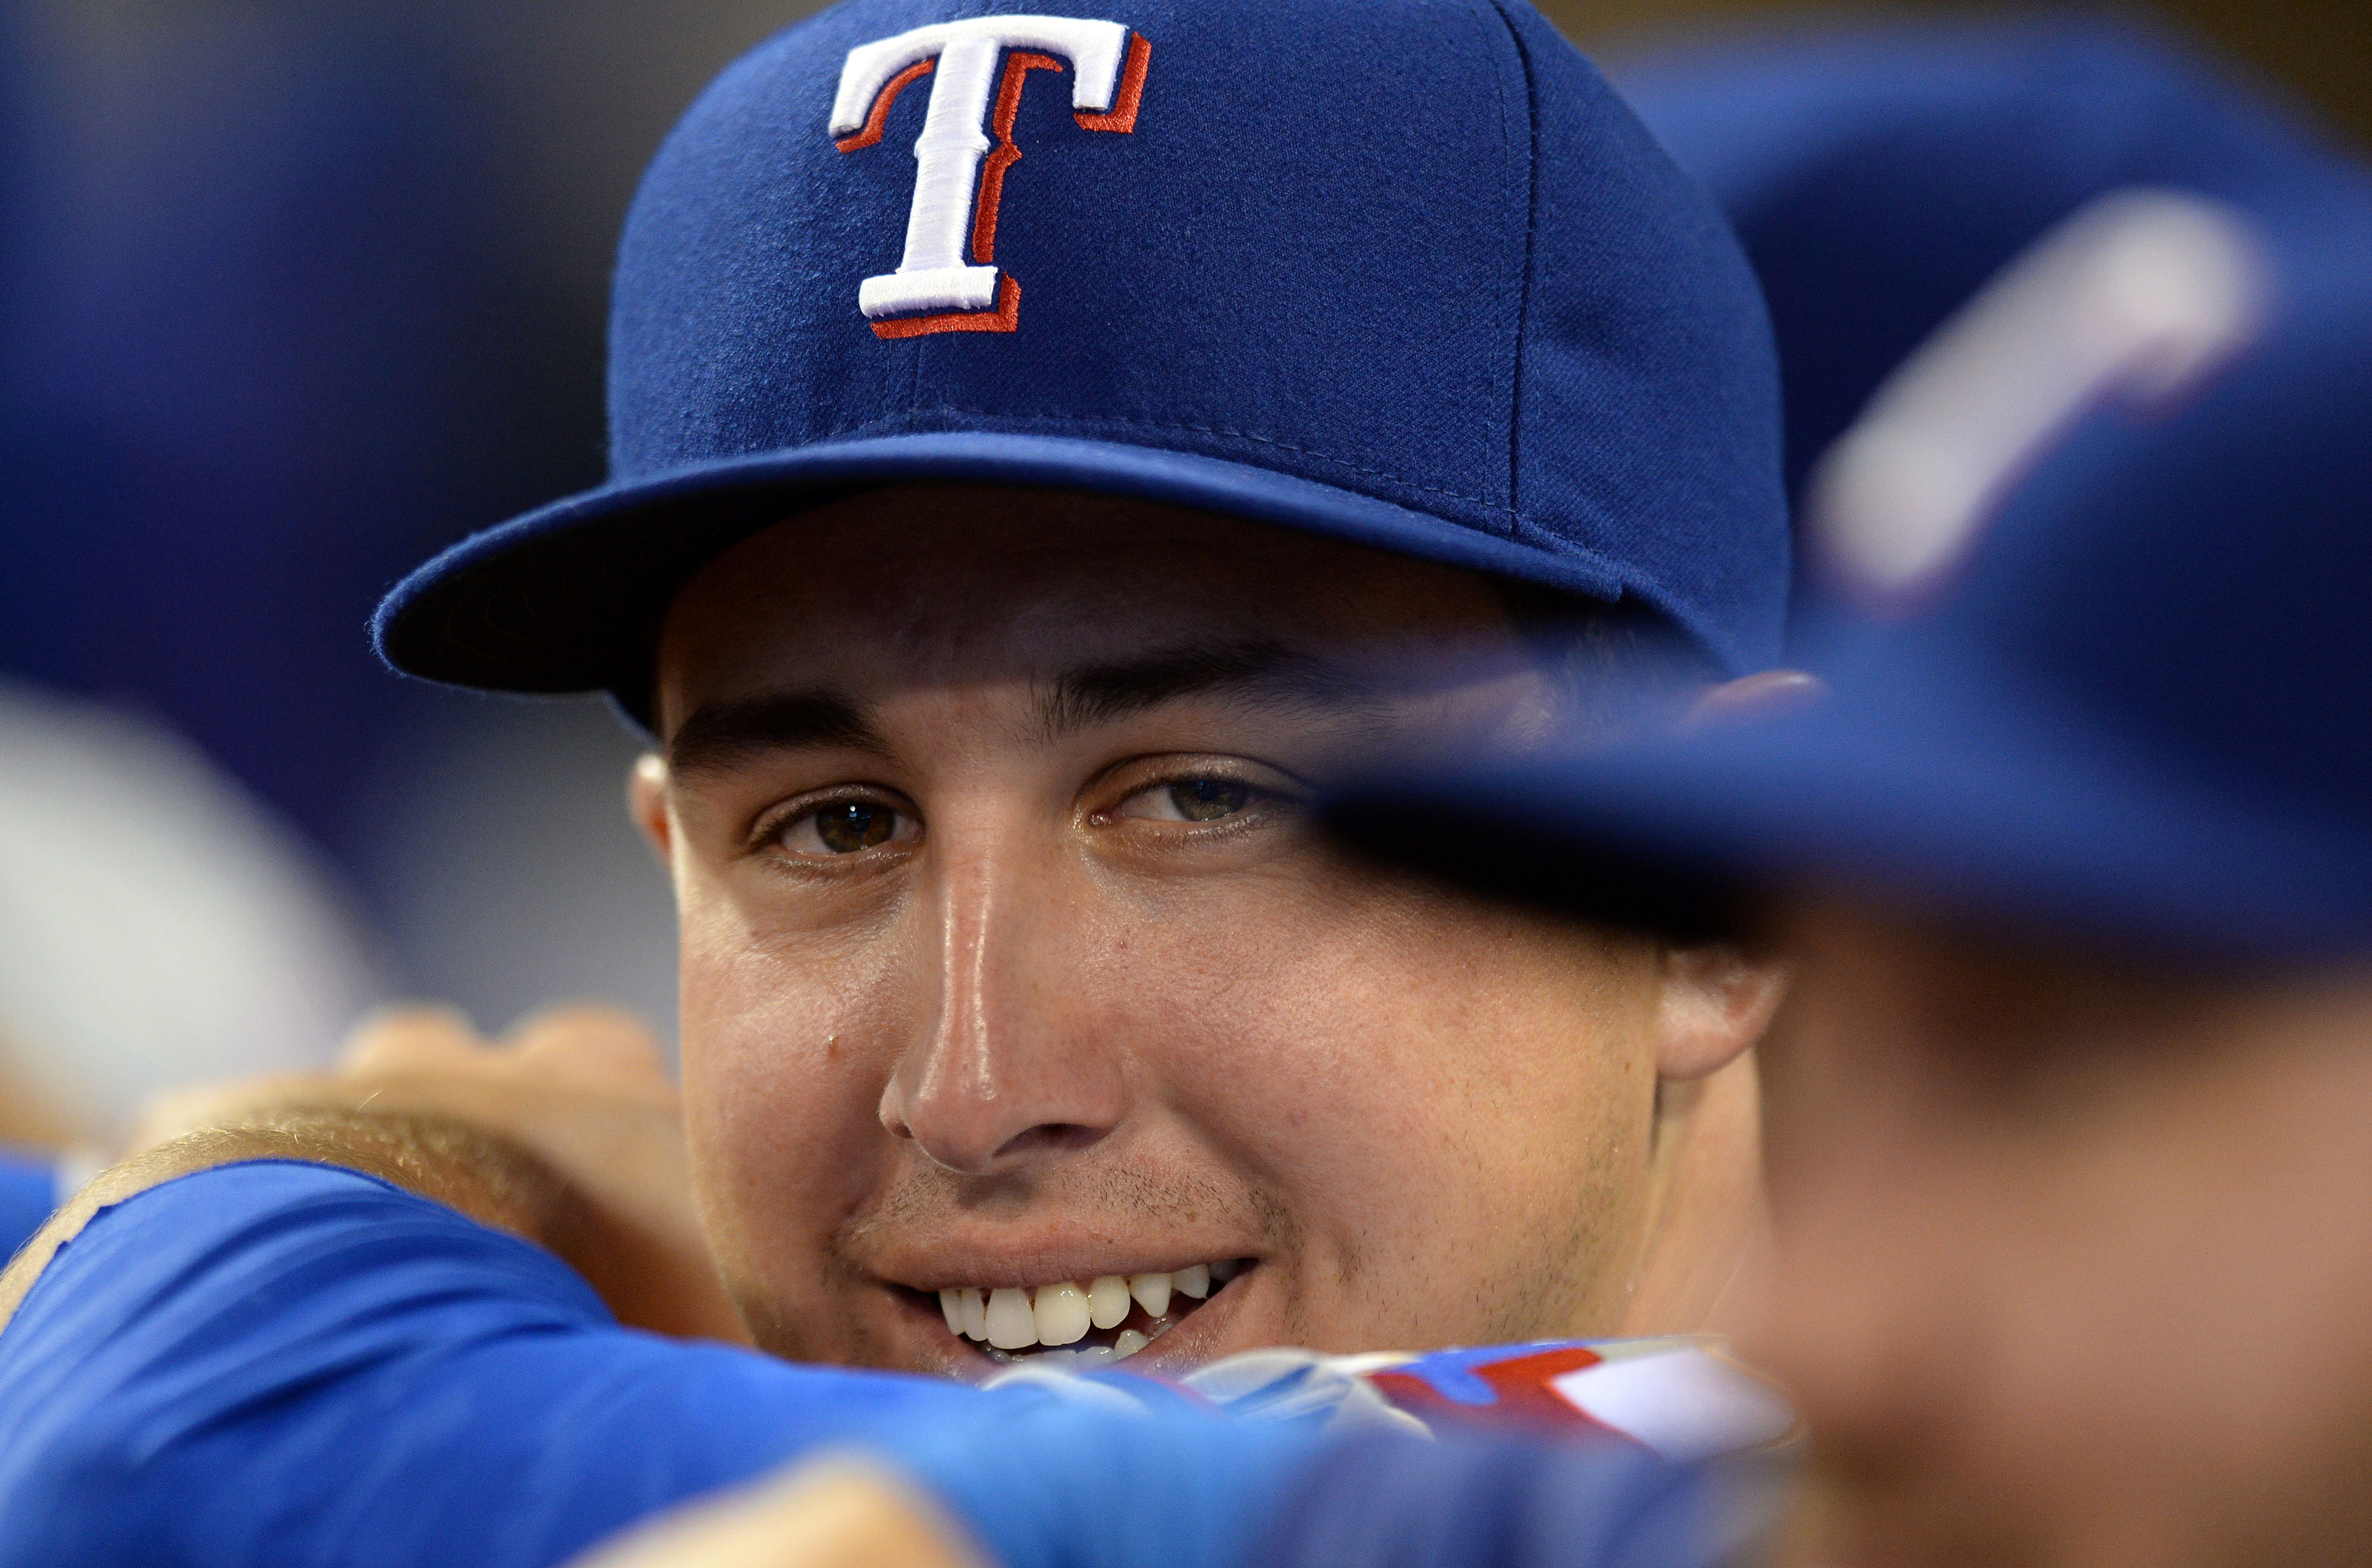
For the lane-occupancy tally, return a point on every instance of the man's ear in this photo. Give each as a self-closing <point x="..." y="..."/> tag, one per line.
<point x="647" y="800"/>
<point x="1714" y="1003"/>
<point x="1761" y="695"/>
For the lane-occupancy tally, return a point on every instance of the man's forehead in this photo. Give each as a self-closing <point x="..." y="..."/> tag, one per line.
<point x="965" y="586"/>
<point x="719" y="732"/>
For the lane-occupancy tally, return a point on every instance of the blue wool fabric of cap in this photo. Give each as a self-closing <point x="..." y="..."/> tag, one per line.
<point x="1404" y="272"/>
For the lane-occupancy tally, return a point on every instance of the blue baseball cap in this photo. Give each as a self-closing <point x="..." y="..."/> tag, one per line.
<point x="1403" y="273"/>
<point x="1879" y="172"/>
<point x="2114" y="533"/>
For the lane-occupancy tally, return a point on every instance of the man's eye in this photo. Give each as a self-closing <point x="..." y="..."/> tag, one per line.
<point x="847" y="827"/>
<point x="1191" y="800"/>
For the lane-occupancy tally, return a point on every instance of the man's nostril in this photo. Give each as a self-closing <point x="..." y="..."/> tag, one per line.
<point x="1052" y="1138"/>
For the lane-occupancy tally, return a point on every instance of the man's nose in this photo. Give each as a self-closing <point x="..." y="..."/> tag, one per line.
<point x="1006" y="1070"/>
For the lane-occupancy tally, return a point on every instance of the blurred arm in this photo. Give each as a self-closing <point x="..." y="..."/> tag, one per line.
<point x="567" y="1133"/>
<point x="1379" y="1499"/>
<point x="828" y="1514"/>
<point x="440" y="1158"/>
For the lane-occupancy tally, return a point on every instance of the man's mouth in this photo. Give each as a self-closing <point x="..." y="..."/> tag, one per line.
<point x="1080" y="1323"/>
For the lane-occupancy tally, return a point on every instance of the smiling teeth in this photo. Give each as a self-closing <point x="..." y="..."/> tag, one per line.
<point x="965" y="1312"/>
<point x="1011" y="1324"/>
<point x="1061" y="1314"/>
<point x="1010" y="1318"/>
<point x="1108" y="1300"/>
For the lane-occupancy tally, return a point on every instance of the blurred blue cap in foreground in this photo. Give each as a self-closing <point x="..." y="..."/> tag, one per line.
<point x="2112" y="530"/>
<point x="1879" y="173"/>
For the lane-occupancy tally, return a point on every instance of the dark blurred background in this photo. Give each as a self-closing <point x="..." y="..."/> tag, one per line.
<point x="298" y="293"/>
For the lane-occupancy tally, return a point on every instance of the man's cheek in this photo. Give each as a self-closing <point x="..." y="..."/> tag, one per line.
<point x="1297" y="1068"/>
<point x="783" y="1077"/>
<point x="1259" y="1025"/>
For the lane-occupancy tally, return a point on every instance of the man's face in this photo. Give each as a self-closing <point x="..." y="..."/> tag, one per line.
<point x="2076" y="1259"/>
<point x="1010" y="957"/>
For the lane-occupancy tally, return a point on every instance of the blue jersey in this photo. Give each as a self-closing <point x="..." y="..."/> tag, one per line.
<point x="28" y="1191"/>
<point x="295" y="1364"/>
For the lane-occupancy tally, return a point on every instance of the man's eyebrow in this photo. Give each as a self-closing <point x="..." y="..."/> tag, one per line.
<point x="1266" y="674"/>
<point x="722" y="735"/>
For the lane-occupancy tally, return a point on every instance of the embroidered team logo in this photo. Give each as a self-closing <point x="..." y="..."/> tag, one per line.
<point x="958" y="170"/>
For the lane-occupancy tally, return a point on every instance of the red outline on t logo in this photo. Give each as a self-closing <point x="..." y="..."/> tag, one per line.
<point x="956" y="194"/>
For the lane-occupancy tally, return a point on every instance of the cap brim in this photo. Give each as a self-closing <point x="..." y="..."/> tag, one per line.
<point x="569" y="597"/>
<point x="1926" y="798"/>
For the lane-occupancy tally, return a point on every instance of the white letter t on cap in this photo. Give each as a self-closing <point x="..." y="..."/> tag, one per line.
<point x="933" y="275"/>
